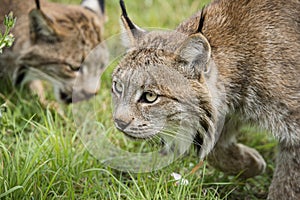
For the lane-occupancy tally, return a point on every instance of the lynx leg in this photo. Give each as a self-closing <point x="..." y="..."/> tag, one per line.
<point x="36" y="86"/>
<point x="233" y="158"/>
<point x="286" y="179"/>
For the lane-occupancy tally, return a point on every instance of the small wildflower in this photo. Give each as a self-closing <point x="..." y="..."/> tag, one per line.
<point x="7" y="38"/>
<point x="179" y="179"/>
<point x="3" y="109"/>
<point x="9" y="21"/>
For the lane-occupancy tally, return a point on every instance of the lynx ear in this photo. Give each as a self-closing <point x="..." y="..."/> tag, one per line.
<point x="132" y="31"/>
<point x="196" y="52"/>
<point x="97" y="6"/>
<point x="41" y="27"/>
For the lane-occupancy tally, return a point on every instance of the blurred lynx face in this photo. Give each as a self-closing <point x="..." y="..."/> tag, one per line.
<point x="61" y="44"/>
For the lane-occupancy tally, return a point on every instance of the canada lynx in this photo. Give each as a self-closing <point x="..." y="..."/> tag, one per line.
<point x="51" y="42"/>
<point x="234" y="62"/>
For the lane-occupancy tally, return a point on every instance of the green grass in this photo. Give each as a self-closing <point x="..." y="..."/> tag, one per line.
<point x="43" y="157"/>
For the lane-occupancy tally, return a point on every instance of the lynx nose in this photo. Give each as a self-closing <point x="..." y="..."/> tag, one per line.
<point x="121" y="124"/>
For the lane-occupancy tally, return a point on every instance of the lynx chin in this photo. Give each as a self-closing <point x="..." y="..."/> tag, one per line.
<point x="232" y="63"/>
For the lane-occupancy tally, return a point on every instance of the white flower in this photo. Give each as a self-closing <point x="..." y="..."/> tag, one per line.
<point x="179" y="179"/>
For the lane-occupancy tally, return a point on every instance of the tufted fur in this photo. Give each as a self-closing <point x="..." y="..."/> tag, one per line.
<point x="51" y="44"/>
<point x="241" y="66"/>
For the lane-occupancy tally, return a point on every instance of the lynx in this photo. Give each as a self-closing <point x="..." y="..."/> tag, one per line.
<point x="51" y="42"/>
<point x="233" y="62"/>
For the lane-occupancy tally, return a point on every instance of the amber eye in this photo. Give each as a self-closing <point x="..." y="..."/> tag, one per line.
<point x="74" y="68"/>
<point x="149" y="97"/>
<point x="118" y="87"/>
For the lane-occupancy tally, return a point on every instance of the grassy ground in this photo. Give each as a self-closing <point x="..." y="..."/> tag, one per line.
<point x="42" y="156"/>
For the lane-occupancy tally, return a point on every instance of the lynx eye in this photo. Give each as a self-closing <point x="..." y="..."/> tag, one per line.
<point x="149" y="97"/>
<point x="118" y="87"/>
<point x="74" y="68"/>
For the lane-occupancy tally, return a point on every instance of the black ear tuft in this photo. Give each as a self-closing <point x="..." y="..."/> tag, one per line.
<point x="124" y="12"/>
<point x="37" y="2"/>
<point x="201" y="20"/>
<point x="102" y="5"/>
<point x="132" y="31"/>
<point x="125" y="16"/>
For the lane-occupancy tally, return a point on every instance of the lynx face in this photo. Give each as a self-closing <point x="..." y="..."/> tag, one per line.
<point x="54" y="43"/>
<point x="157" y="92"/>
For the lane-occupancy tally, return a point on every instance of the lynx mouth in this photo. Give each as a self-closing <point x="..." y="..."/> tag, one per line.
<point x="133" y="133"/>
<point x="134" y="137"/>
<point x="139" y="136"/>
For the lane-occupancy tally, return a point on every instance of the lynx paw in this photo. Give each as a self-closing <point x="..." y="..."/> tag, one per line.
<point x="238" y="159"/>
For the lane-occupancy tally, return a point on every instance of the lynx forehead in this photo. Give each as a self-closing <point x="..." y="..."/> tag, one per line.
<point x="221" y="68"/>
<point x="54" y="43"/>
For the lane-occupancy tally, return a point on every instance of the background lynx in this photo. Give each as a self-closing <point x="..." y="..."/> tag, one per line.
<point x="234" y="62"/>
<point x="51" y="44"/>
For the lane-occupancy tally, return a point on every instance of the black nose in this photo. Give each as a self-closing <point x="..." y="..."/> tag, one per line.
<point x="121" y="124"/>
<point x="65" y="97"/>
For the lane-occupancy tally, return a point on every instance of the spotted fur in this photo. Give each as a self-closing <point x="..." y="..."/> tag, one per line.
<point x="234" y="62"/>
<point x="54" y="43"/>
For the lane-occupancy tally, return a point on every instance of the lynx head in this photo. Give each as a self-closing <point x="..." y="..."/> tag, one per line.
<point x="61" y="40"/>
<point x="164" y="86"/>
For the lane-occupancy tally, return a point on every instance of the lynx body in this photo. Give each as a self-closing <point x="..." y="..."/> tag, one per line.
<point x="232" y="63"/>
